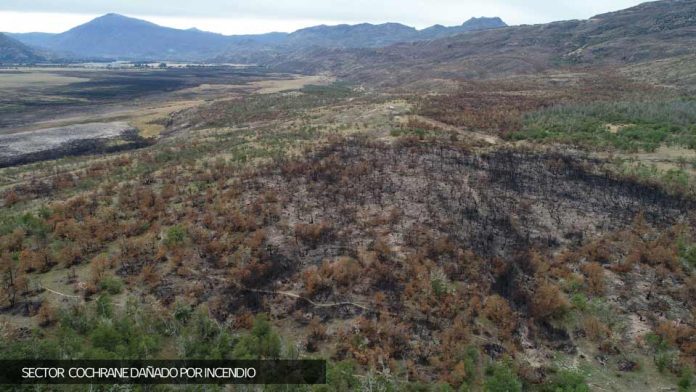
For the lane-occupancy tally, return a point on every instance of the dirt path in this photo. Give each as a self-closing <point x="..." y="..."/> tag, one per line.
<point x="491" y="139"/>
<point x="315" y="304"/>
<point x="62" y="294"/>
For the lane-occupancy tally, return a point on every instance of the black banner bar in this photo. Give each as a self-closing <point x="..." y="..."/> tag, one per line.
<point x="163" y="372"/>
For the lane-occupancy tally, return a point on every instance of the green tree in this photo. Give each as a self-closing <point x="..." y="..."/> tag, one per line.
<point x="500" y="378"/>
<point x="263" y="342"/>
<point x="340" y="377"/>
<point x="203" y="338"/>
<point x="105" y="336"/>
<point x="104" y="307"/>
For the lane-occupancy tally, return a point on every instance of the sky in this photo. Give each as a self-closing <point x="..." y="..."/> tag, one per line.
<point x="261" y="16"/>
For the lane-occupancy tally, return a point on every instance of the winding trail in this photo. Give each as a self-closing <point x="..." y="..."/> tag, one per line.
<point x="313" y="303"/>
<point x="61" y="294"/>
<point x="490" y="139"/>
<point x="316" y="304"/>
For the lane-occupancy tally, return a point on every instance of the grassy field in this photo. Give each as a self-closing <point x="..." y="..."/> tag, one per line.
<point x="11" y="80"/>
<point x="35" y="95"/>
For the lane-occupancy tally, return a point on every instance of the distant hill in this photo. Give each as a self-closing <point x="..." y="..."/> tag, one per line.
<point x="649" y="31"/>
<point x="366" y="35"/>
<point x="31" y="39"/>
<point x="473" y="24"/>
<point x="119" y="37"/>
<point x="13" y="51"/>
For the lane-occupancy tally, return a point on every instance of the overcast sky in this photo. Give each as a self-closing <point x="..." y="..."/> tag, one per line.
<point x="259" y="16"/>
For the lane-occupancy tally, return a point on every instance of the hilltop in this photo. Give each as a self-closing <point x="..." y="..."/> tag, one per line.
<point x="115" y="36"/>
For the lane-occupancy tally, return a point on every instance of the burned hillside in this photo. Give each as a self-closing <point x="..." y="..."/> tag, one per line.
<point x="494" y="203"/>
<point x="440" y="237"/>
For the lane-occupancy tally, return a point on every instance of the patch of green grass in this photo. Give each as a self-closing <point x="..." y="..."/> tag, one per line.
<point x="637" y="125"/>
<point x="567" y="381"/>
<point x="111" y="285"/>
<point x="673" y="180"/>
<point x="264" y="107"/>
<point x="334" y="90"/>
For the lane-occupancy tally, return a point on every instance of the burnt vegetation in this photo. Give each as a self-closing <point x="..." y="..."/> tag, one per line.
<point x="434" y="253"/>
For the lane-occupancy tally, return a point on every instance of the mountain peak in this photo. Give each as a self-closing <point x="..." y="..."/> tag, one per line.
<point x="111" y="16"/>
<point x="112" y="19"/>
<point x="484" y="22"/>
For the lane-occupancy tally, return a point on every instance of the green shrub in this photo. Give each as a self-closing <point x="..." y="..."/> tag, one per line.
<point x="665" y="360"/>
<point x="263" y="342"/>
<point x="111" y="285"/>
<point x="104" y="336"/>
<point x="439" y="287"/>
<point x="579" y="301"/>
<point x="471" y="360"/>
<point x="175" y="236"/>
<point x="686" y="380"/>
<point x="37" y="348"/>
<point x="75" y="318"/>
<point x="568" y="381"/>
<point x="689" y="256"/>
<point x="340" y="377"/>
<point x="656" y="342"/>
<point x="182" y="312"/>
<point x="501" y="378"/>
<point x="104" y="307"/>
<point x="204" y="338"/>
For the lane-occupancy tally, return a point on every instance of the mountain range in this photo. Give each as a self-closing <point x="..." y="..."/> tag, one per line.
<point x="114" y="36"/>
<point x="649" y="31"/>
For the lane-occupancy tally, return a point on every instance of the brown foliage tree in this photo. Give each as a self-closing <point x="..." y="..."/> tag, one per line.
<point x="46" y="314"/>
<point x="11" y="198"/>
<point x="595" y="277"/>
<point x="497" y="309"/>
<point x="549" y="301"/>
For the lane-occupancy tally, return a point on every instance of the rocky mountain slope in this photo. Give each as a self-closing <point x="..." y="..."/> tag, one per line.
<point x="649" y="31"/>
